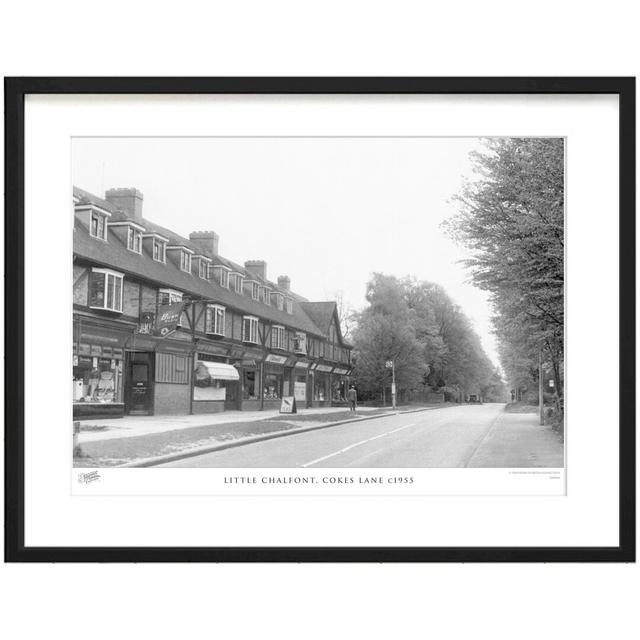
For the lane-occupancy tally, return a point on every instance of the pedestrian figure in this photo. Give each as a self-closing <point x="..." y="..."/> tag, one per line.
<point x="352" y="397"/>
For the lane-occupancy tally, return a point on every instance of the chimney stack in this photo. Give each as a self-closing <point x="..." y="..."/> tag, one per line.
<point x="257" y="267"/>
<point x="206" y="240"/>
<point x="284" y="282"/>
<point x="128" y="199"/>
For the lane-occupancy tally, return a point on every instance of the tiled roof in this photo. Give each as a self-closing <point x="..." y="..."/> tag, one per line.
<point x="115" y="254"/>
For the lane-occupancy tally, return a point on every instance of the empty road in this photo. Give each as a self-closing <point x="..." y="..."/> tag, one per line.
<point x="465" y="436"/>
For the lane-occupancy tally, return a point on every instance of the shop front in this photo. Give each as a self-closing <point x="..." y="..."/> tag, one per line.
<point x="301" y="378"/>
<point x="215" y="385"/>
<point x="274" y="385"/>
<point x="321" y="385"/>
<point x="98" y="369"/>
<point x="248" y="363"/>
<point x="339" y="386"/>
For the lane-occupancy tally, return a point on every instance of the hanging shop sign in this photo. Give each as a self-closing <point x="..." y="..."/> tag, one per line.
<point x="147" y="322"/>
<point x="168" y="318"/>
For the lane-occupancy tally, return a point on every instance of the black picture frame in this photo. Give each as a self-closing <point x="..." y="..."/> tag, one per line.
<point x="15" y="91"/>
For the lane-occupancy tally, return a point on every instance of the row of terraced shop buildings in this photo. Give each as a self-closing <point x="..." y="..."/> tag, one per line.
<point x="240" y="342"/>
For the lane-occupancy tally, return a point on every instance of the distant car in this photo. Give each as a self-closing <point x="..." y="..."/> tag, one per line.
<point x="474" y="399"/>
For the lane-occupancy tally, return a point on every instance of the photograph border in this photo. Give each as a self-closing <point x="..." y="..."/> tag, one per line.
<point x="15" y="91"/>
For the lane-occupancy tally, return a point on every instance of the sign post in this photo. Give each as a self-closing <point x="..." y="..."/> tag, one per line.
<point x="390" y="364"/>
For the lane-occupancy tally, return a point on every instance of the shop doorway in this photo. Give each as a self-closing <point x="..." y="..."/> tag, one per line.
<point x="139" y="384"/>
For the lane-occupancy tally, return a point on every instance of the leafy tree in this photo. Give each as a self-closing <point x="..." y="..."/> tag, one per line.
<point x="512" y="221"/>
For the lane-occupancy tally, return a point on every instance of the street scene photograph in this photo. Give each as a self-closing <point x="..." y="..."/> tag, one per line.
<point x="318" y="302"/>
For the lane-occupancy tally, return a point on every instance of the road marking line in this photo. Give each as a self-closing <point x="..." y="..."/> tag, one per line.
<point x="357" y="444"/>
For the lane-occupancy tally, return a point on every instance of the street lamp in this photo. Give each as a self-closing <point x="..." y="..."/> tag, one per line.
<point x="390" y="364"/>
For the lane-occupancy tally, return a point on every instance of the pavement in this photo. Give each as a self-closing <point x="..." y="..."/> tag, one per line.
<point x="456" y="436"/>
<point x="92" y="430"/>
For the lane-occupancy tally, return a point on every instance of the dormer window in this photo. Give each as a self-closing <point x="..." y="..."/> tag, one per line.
<point x="203" y="266"/>
<point x="98" y="225"/>
<point x="185" y="261"/>
<point x="266" y="295"/>
<point x="289" y="305"/>
<point x="159" y="250"/>
<point x="279" y="301"/>
<point x="255" y="291"/>
<point x="238" y="281"/>
<point x="134" y="239"/>
<point x="221" y="275"/>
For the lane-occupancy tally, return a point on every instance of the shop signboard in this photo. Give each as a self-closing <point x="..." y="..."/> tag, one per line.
<point x="288" y="405"/>
<point x="341" y="372"/>
<point x="275" y="359"/>
<point x="168" y="318"/>
<point x="302" y="364"/>
<point x="325" y="368"/>
<point x="96" y="350"/>
<point x="84" y="349"/>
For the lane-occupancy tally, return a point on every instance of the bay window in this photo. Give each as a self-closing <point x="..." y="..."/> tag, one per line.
<point x="169" y="296"/>
<point x="250" y="329"/>
<point x="105" y="289"/>
<point x="214" y="319"/>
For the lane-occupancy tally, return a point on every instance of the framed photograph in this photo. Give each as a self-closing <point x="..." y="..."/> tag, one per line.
<point x="320" y="319"/>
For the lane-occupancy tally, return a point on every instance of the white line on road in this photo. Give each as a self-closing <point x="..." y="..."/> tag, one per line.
<point x="357" y="444"/>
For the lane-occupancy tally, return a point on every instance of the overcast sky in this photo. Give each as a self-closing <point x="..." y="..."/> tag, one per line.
<point x="328" y="212"/>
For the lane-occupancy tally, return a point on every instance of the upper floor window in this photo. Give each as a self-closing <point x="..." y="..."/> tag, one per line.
<point x="279" y="301"/>
<point x="105" y="289"/>
<point x="203" y="268"/>
<point x="255" y="291"/>
<point x="134" y="240"/>
<point x="238" y="282"/>
<point x="289" y="304"/>
<point x="185" y="261"/>
<point x="159" y="250"/>
<point x="98" y="226"/>
<point x="300" y="342"/>
<point x="278" y="337"/>
<point x="214" y="319"/>
<point x="250" y="329"/>
<point x="169" y="296"/>
<point x="224" y="278"/>
<point x="266" y="295"/>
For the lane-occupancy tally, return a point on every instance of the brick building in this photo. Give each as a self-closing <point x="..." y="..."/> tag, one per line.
<point x="242" y="340"/>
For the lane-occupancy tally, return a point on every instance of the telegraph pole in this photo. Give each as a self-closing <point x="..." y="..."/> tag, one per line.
<point x="390" y="364"/>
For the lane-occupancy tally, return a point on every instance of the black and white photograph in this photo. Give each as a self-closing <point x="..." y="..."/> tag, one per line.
<point x="318" y="302"/>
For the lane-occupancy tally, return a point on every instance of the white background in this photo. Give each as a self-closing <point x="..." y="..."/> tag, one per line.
<point x="331" y="38"/>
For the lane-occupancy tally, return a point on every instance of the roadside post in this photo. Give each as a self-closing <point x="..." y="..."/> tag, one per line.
<point x="390" y="364"/>
<point x="540" y="386"/>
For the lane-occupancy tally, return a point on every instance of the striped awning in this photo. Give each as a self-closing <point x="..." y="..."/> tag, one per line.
<point x="220" y="370"/>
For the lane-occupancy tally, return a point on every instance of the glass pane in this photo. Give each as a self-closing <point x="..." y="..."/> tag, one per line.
<point x="97" y="289"/>
<point x="110" y="284"/>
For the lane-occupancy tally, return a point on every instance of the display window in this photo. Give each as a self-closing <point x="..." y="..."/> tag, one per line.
<point x="272" y="386"/>
<point x="320" y="388"/>
<point x="339" y="391"/>
<point x="97" y="380"/>
<point x="250" y="385"/>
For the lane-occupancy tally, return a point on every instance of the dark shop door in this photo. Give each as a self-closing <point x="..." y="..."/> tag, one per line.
<point x="139" y="385"/>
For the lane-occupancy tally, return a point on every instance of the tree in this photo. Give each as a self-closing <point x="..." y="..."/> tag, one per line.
<point x="512" y="221"/>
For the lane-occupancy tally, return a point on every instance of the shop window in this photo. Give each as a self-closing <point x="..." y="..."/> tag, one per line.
<point x="319" y="389"/>
<point x="134" y="240"/>
<point x="278" y="337"/>
<point x="289" y="304"/>
<point x="105" y="290"/>
<point x="272" y="386"/>
<point x="159" y="250"/>
<point x="250" y="329"/>
<point x="214" y="319"/>
<point x="250" y="387"/>
<point x="97" y="379"/>
<point x="169" y="296"/>
<point x="300" y="342"/>
<point x="98" y="227"/>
